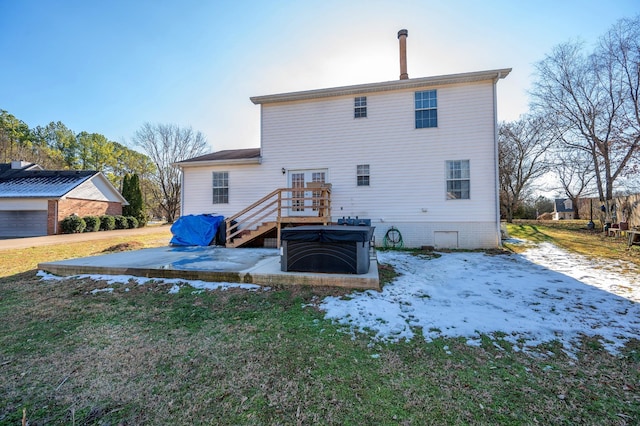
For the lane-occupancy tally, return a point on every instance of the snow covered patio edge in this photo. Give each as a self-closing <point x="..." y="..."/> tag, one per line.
<point x="543" y="295"/>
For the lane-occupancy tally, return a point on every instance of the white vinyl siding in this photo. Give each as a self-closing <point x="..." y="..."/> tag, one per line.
<point x="97" y="188"/>
<point x="23" y="204"/>
<point x="316" y="134"/>
<point x="408" y="162"/>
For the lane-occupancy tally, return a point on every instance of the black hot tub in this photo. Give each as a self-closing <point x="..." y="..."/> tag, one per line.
<point x="329" y="249"/>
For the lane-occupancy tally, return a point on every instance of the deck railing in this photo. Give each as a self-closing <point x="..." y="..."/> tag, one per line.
<point x="283" y="205"/>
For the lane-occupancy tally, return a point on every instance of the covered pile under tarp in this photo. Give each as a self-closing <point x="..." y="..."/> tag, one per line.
<point x="195" y="230"/>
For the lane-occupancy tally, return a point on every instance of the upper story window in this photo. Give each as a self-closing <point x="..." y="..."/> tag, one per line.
<point x="426" y="109"/>
<point x="458" y="180"/>
<point x="362" y="174"/>
<point x="220" y="187"/>
<point x="360" y="107"/>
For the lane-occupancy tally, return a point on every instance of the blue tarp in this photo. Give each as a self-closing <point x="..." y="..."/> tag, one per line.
<point x="195" y="230"/>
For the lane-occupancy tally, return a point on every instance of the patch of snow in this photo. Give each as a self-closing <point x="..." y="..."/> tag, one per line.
<point x="102" y="290"/>
<point x="546" y="294"/>
<point x="517" y="241"/>
<point x="175" y="282"/>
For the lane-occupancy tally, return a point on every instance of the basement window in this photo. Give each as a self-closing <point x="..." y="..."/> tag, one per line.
<point x="220" y="187"/>
<point x="360" y="107"/>
<point x="458" y="180"/>
<point x="426" y="109"/>
<point x="362" y="174"/>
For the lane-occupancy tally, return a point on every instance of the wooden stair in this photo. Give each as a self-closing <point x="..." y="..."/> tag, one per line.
<point x="266" y="214"/>
<point x="249" y="235"/>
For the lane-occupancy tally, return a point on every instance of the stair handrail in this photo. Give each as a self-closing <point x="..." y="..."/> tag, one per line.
<point x="264" y="210"/>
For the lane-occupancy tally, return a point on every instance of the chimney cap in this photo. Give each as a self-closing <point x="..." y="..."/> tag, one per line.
<point x="403" y="33"/>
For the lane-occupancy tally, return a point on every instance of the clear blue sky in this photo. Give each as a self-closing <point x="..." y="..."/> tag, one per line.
<point x="110" y="66"/>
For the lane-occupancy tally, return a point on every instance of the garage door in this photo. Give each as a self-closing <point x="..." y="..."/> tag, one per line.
<point x="23" y="223"/>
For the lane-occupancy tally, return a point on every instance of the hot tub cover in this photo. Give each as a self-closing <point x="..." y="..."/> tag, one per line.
<point x="327" y="234"/>
<point x="195" y="230"/>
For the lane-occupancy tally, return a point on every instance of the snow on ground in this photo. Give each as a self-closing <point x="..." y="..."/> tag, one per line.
<point x="542" y="295"/>
<point x="176" y="282"/>
<point x="545" y="294"/>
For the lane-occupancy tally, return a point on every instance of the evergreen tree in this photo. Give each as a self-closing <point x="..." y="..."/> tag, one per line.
<point x="126" y="193"/>
<point x="133" y="194"/>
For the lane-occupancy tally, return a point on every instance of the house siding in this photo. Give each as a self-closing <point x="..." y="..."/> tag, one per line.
<point x="246" y="182"/>
<point x="95" y="189"/>
<point x="407" y="165"/>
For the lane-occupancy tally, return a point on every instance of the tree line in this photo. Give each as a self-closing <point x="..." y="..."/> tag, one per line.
<point x="56" y="147"/>
<point x="583" y="126"/>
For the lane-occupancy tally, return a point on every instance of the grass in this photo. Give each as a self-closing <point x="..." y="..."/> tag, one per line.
<point x="139" y="355"/>
<point x="573" y="236"/>
<point x="22" y="260"/>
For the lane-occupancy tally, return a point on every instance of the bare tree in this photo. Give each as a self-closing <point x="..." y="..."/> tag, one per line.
<point x="166" y="144"/>
<point x="522" y="149"/>
<point x="575" y="172"/>
<point x="592" y="101"/>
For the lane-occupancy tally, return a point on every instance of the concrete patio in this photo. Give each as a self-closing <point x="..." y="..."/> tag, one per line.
<point x="215" y="264"/>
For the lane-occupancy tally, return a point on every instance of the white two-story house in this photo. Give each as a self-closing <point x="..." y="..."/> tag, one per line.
<point x="416" y="155"/>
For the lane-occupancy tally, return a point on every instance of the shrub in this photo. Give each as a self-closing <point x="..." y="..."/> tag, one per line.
<point x="132" y="222"/>
<point x="121" y="222"/>
<point x="72" y="224"/>
<point x="107" y="223"/>
<point x="93" y="223"/>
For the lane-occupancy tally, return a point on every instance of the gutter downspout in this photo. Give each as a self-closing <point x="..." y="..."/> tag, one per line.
<point x="496" y="157"/>
<point x="181" y="191"/>
<point x="55" y="222"/>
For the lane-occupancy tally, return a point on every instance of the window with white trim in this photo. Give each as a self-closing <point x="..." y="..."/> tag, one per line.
<point x="458" y="180"/>
<point x="360" y="107"/>
<point x="220" y="187"/>
<point x="426" y="109"/>
<point x="362" y="175"/>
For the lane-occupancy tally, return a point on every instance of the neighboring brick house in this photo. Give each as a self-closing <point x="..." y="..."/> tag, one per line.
<point x="34" y="201"/>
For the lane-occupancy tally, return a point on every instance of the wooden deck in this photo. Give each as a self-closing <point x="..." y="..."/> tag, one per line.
<point x="281" y="207"/>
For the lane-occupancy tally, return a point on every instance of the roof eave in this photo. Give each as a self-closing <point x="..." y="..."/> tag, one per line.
<point x="384" y="86"/>
<point x="238" y="161"/>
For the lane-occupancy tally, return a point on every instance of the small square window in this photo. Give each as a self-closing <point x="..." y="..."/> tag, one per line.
<point x="362" y="175"/>
<point x="360" y="107"/>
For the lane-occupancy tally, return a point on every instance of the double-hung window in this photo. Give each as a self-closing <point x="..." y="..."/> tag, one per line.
<point x="360" y="107"/>
<point x="426" y="109"/>
<point x="220" y="187"/>
<point x="362" y="174"/>
<point x="458" y="180"/>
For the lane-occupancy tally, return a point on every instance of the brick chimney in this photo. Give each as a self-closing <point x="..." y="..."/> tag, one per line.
<point x="402" y="36"/>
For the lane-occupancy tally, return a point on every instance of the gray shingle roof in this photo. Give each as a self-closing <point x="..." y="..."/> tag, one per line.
<point x="560" y="205"/>
<point x="229" y="154"/>
<point x="41" y="183"/>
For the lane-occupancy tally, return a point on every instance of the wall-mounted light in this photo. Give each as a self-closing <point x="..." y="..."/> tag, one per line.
<point x="283" y="170"/>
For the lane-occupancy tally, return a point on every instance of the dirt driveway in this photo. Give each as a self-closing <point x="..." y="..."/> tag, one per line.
<point x="20" y="243"/>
